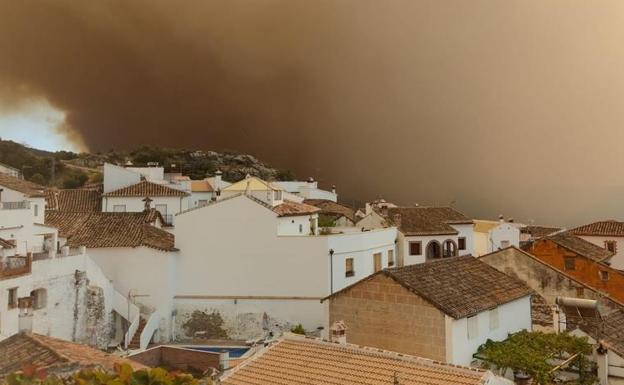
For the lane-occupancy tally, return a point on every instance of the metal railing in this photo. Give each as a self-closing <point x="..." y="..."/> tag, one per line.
<point x="15" y="205"/>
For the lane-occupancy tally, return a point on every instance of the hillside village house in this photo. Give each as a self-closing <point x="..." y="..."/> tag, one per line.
<point x="425" y="233"/>
<point x="582" y="260"/>
<point x="299" y="360"/>
<point x="308" y="190"/>
<point x="11" y="171"/>
<point x="333" y="213"/>
<point x="442" y="310"/>
<point x="280" y="267"/>
<point x="606" y="234"/>
<point x="490" y="236"/>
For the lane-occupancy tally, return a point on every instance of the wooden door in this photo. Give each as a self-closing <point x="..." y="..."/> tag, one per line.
<point x="377" y="261"/>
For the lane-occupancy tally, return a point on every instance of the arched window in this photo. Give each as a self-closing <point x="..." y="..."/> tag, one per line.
<point x="434" y="250"/>
<point x="450" y="248"/>
<point x="40" y="298"/>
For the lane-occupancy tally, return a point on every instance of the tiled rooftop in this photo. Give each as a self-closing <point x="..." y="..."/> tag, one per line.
<point x="146" y="189"/>
<point x="427" y="220"/>
<point x="608" y="228"/>
<point x="74" y="200"/>
<point x="332" y="208"/>
<point x="581" y="246"/>
<point x="306" y="361"/>
<point x="290" y="208"/>
<point x="30" y="189"/>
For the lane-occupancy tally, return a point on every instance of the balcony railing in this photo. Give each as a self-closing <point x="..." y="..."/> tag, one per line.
<point x="15" y="205"/>
<point x="15" y="266"/>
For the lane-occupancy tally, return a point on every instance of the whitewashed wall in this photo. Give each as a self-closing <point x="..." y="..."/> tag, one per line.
<point x="298" y="225"/>
<point x="617" y="261"/>
<point x="116" y="177"/>
<point x="503" y="232"/>
<point x="512" y="317"/>
<point x="136" y="204"/>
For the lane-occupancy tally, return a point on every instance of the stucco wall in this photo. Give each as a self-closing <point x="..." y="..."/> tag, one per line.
<point x="617" y="261"/>
<point x="512" y="317"/>
<point x="379" y="312"/>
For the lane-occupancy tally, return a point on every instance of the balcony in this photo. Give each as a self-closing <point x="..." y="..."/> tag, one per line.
<point x="15" y="205"/>
<point x="15" y="266"/>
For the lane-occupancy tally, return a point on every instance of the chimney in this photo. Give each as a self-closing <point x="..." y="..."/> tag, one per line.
<point x="217" y="180"/>
<point x="396" y="218"/>
<point x="338" y="332"/>
<point x="510" y="220"/>
<point x="367" y="209"/>
<point x="248" y="188"/>
<point x="333" y="189"/>
<point x="501" y="218"/>
<point x="25" y="317"/>
<point x="147" y="201"/>
<point x="310" y="182"/>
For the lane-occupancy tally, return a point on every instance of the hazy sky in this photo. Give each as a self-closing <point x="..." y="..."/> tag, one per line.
<point x="512" y="107"/>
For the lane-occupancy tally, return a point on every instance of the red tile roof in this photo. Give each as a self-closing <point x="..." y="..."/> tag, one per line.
<point x="30" y="189"/>
<point x="427" y="220"/>
<point x="581" y="247"/>
<point x="95" y="230"/>
<point x="299" y="360"/>
<point x="74" y="200"/>
<point x="6" y="244"/>
<point x="290" y="208"/>
<point x="332" y="208"/>
<point x="146" y="189"/>
<point x="608" y="228"/>
<point x="54" y="355"/>
<point x="458" y="286"/>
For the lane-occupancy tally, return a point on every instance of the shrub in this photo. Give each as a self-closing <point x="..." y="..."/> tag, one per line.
<point x="298" y="329"/>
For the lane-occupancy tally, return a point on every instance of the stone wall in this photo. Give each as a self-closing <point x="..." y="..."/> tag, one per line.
<point x="381" y="313"/>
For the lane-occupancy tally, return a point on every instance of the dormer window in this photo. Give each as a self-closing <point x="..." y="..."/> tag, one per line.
<point x="277" y="195"/>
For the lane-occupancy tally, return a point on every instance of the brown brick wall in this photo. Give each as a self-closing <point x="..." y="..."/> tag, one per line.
<point x="381" y="313"/>
<point x="176" y="358"/>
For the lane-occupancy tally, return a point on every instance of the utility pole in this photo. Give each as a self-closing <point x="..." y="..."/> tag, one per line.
<point x="52" y="175"/>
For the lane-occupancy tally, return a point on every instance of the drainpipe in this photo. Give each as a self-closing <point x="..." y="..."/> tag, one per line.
<point x="331" y="271"/>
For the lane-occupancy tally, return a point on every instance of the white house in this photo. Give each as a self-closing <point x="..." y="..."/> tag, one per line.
<point x="8" y="170"/>
<point x="308" y="190"/>
<point x="261" y="267"/>
<point x="606" y="234"/>
<point x="490" y="236"/>
<point x="135" y="198"/>
<point x="425" y="233"/>
<point x="442" y="309"/>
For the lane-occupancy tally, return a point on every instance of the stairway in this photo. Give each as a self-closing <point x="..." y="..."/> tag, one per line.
<point x="136" y="339"/>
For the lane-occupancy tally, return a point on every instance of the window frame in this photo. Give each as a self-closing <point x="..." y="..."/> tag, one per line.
<point x="461" y="243"/>
<point x="349" y="272"/>
<point x="12" y="298"/>
<point x="411" y="243"/>
<point x="391" y="261"/>
<point x="569" y="263"/>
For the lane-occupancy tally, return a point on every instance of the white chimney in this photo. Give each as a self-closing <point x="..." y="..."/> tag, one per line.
<point x="25" y="317"/>
<point x="217" y="180"/>
<point x="334" y="189"/>
<point x="338" y="332"/>
<point x="501" y="218"/>
<point x="368" y="209"/>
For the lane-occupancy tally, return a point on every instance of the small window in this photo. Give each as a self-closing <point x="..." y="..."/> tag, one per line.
<point x="569" y="263"/>
<point x="604" y="275"/>
<point x="461" y="243"/>
<point x="580" y="292"/>
<point x="494" y="319"/>
<point x="349" y="272"/>
<point x="390" y="258"/>
<point x="277" y="195"/>
<point x="119" y="208"/>
<point x="415" y="248"/>
<point x="300" y="228"/>
<point x="473" y="327"/>
<point x="36" y="210"/>
<point x="12" y="298"/>
<point x="611" y="246"/>
<point x="377" y="261"/>
<point x="40" y="298"/>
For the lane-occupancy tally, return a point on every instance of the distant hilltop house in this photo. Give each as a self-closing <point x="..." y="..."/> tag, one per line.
<point x="442" y="310"/>
<point x="490" y="236"/>
<point x="11" y="171"/>
<point x="606" y="234"/>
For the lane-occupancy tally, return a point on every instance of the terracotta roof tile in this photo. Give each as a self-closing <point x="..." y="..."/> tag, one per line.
<point x="146" y="189"/>
<point x="581" y="247"/>
<point x="458" y="286"/>
<point x="332" y="208"/>
<point x="54" y="355"/>
<point x="304" y="361"/>
<point x="539" y="231"/>
<point x="426" y="220"/>
<point x="95" y="230"/>
<point x="30" y="189"/>
<point x="74" y="200"/>
<point x="201" y="186"/>
<point x="6" y="244"/>
<point x="609" y="228"/>
<point x="290" y="208"/>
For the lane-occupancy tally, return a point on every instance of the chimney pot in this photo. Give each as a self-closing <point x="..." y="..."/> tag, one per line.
<point x="338" y="332"/>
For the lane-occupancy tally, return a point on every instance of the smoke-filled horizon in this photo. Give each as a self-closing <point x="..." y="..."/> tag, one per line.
<point x="500" y="107"/>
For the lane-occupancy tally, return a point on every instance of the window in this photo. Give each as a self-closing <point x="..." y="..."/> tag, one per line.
<point x="604" y="275"/>
<point x="450" y="248"/>
<point x="36" y="210"/>
<point x="494" y="319"/>
<point x="611" y="246"/>
<point x="415" y="248"/>
<point x="277" y="195"/>
<point x="349" y="272"/>
<point x="300" y="228"/>
<point x="390" y="258"/>
<point x="461" y="243"/>
<point x="504" y="244"/>
<point x="202" y="202"/>
<point x="377" y="261"/>
<point x="119" y="208"/>
<point x="568" y="263"/>
<point x="12" y="298"/>
<point x="580" y="291"/>
<point x="40" y="298"/>
<point x="473" y="327"/>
